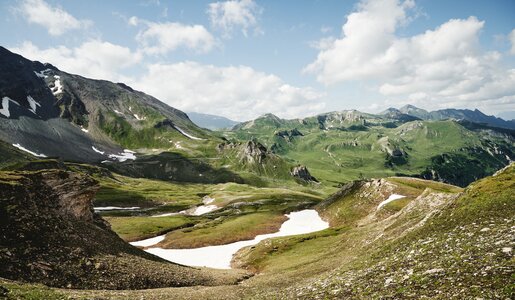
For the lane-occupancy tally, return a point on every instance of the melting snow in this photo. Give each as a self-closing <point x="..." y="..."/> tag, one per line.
<point x="96" y="150"/>
<point x="220" y="257"/>
<point x="28" y="151"/>
<point x="127" y="154"/>
<point x="204" y="209"/>
<point x="58" y="88"/>
<point x="186" y="134"/>
<point x="390" y="199"/>
<point x="42" y="74"/>
<point x="118" y="112"/>
<point x="5" y="106"/>
<point x="207" y="200"/>
<point x="168" y="214"/>
<point x="33" y="104"/>
<point x="149" y="242"/>
<point x="101" y="208"/>
<point x="138" y="118"/>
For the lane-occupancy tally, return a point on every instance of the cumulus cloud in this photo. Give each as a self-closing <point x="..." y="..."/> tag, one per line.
<point x="512" y="40"/>
<point x="234" y="14"/>
<point x="56" y="20"/>
<point x="239" y="92"/>
<point x="161" y="38"/>
<point x="444" y="66"/>
<point x="94" y="59"/>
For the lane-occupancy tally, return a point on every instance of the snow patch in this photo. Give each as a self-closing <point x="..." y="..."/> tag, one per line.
<point x="390" y="199"/>
<point x="207" y="200"/>
<point x="58" y="87"/>
<point x="33" y="104"/>
<point x="168" y="214"/>
<point x="28" y="151"/>
<point x="204" y="209"/>
<point x="97" y="151"/>
<point x="149" y="242"/>
<point x="220" y="257"/>
<point x="5" y="106"/>
<point x="84" y="129"/>
<point x="186" y="134"/>
<point x="125" y="155"/>
<point x="138" y="118"/>
<point x="118" y="112"/>
<point x="104" y="208"/>
<point x="43" y="74"/>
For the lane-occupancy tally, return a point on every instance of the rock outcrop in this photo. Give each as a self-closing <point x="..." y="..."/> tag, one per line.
<point x="289" y="135"/>
<point x="253" y="152"/>
<point x="301" y="172"/>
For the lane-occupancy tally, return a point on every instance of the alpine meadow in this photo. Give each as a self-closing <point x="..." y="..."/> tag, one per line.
<point x="248" y="149"/>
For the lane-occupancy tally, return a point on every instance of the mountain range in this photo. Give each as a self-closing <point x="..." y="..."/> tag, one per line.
<point x="475" y="116"/>
<point x="211" y="122"/>
<point x="415" y="204"/>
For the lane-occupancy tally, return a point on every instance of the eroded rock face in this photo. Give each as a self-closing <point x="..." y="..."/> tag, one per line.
<point x="301" y="172"/>
<point x="75" y="193"/>
<point x="253" y="152"/>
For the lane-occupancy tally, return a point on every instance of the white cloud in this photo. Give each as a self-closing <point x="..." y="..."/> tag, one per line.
<point x="56" y="20"/>
<point x="443" y="67"/>
<point x="161" y="38"/>
<point x="233" y="14"/>
<point x="238" y="92"/>
<point x="512" y="40"/>
<point x="94" y="59"/>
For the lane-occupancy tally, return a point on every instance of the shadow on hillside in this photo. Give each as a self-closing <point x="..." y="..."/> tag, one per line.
<point x="174" y="167"/>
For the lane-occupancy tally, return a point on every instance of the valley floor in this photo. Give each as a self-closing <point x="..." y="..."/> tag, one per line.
<point x="436" y="242"/>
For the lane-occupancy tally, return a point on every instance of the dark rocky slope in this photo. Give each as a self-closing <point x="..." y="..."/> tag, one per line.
<point x="55" y="113"/>
<point x="49" y="234"/>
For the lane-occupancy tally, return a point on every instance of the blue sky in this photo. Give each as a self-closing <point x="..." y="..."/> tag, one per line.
<point x="244" y="58"/>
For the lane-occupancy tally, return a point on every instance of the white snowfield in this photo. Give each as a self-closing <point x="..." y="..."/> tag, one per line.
<point x="187" y="135"/>
<point x="103" y="208"/>
<point x="149" y="242"/>
<point x="390" y="199"/>
<point x="28" y="151"/>
<point x="33" y="104"/>
<point x="220" y="257"/>
<point x="5" y="106"/>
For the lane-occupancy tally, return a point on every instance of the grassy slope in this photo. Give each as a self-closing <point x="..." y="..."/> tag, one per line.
<point x="335" y="156"/>
<point x="225" y="230"/>
<point x="457" y="254"/>
<point x="137" y="228"/>
<point x="349" y="262"/>
<point x="247" y="210"/>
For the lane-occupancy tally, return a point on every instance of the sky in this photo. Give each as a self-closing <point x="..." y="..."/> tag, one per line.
<point x="244" y="58"/>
